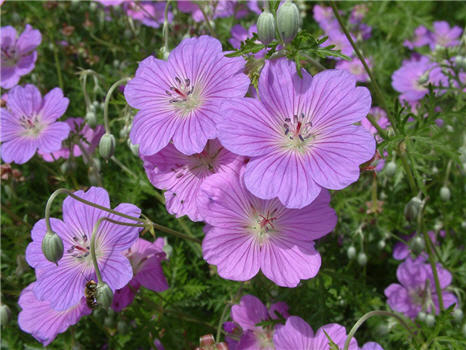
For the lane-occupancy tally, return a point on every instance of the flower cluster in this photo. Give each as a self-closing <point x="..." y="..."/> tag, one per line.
<point x="442" y="36"/>
<point x="253" y="327"/>
<point x="359" y="31"/>
<point x="261" y="186"/>
<point x="123" y="260"/>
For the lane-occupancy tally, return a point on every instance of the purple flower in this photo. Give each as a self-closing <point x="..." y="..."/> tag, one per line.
<point x="181" y="176"/>
<point x="416" y="285"/>
<point x="52" y="322"/>
<point x="240" y="34"/>
<point x="18" y="55"/>
<point x="147" y="12"/>
<point x="246" y="234"/>
<point x="356" y="68"/>
<point x="407" y="80"/>
<point x="297" y="334"/>
<point x="29" y="123"/>
<point x="75" y="267"/>
<point x="341" y="42"/>
<point x="445" y="36"/>
<point x="401" y="251"/>
<point x="88" y="139"/>
<point x="371" y="346"/>
<point x="247" y="314"/>
<point x="300" y="135"/>
<point x="181" y="99"/>
<point x="324" y="16"/>
<point x="145" y="258"/>
<point x="422" y="36"/>
<point x="222" y="8"/>
<point x="380" y="117"/>
<point x="111" y="2"/>
<point x="358" y="13"/>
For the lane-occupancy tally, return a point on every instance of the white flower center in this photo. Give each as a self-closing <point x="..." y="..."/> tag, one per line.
<point x="298" y="133"/>
<point x="184" y="96"/>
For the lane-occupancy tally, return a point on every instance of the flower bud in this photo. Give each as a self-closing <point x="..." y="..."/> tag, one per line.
<point x="109" y="322"/>
<point x="430" y="320"/>
<point x="122" y="327"/>
<point x="458" y="315"/>
<point x="5" y="314"/>
<point x="362" y="259"/>
<point x="52" y="247"/>
<point x="445" y="193"/>
<point x="288" y="21"/>
<point x="412" y="208"/>
<point x="417" y="245"/>
<point x="421" y="316"/>
<point x="351" y="252"/>
<point x="134" y="148"/>
<point x="107" y="146"/>
<point x="91" y="119"/>
<point x="390" y="168"/>
<point x="381" y="244"/>
<point x="104" y="295"/>
<point x="266" y="27"/>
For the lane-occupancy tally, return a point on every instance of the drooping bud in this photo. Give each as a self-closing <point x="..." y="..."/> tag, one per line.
<point x="412" y="208"/>
<point x="52" y="247"/>
<point x="458" y="315"/>
<point x="417" y="245"/>
<point x="288" y="21"/>
<point x="445" y="193"/>
<point x="134" y="148"/>
<point x="421" y="316"/>
<point x="266" y="27"/>
<point x="91" y="119"/>
<point x="381" y="244"/>
<point x="390" y="168"/>
<point x="362" y="259"/>
<point x="107" y="146"/>
<point x="5" y="314"/>
<point x="103" y="295"/>
<point x="430" y="320"/>
<point x="351" y="252"/>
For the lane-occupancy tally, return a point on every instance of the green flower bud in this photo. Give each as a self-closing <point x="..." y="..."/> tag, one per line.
<point x="430" y="320"/>
<point x="362" y="259"/>
<point x="412" y="208"/>
<point x="421" y="316"/>
<point x="445" y="193"/>
<point x="52" y="247"/>
<point x="390" y="168"/>
<point x="266" y="27"/>
<point x="417" y="245"/>
<point x="107" y="146"/>
<point x="458" y="315"/>
<point x="381" y="244"/>
<point x="104" y="295"/>
<point x="5" y="314"/>
<point x="134" y="148"/>
<point x="288" y="21"/>
<point x="91" y="119"/>
<point x="351" y="252"/>
<point x="109" y="322"/>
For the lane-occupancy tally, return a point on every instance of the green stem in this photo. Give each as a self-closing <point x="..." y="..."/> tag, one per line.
<point x="57" y="66"/>
<point x="369" y="315"/>
<point x="87" y="100"/>
<point x="94" y="235"/>
<point x="165" y="27"/>
<point x="49" y="205"/>
<point x="381" y="131"/>
<point x="447" y="173"/>
<point x="404" y="161"/>
<point x="313" y="62"/>
<point x="107" y="100"/>
<point x="209" y="26"/>
<point x="376" y="87"/>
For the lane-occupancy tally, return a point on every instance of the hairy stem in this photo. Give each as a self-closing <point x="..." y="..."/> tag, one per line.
<point x="107" y="100"/>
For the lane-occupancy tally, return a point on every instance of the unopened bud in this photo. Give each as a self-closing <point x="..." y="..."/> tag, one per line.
<point x="430" y="320"/>
<point x="390" y="168"/>
<point x="52" y="247"/>
<point x="134" y="148"/>
<point x="266" y="27"/>
<point x="458" y="315"/>
<point x="288" y="21"/>
<point x="411" y="210"/>
<point x="107" y="146"/>
<point x="104" y="295"/>
<point x="381" y="244"/>
<point x="362" y="259"/>
<point x="91" y="119"/>
<point x="351" y="252"/>
<point x="417" y="245"/>
<point x="5" y="314"/>
<point x="421" y="316"/>
<point x="122" y="327"/>
<point x="445" y="193"/>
